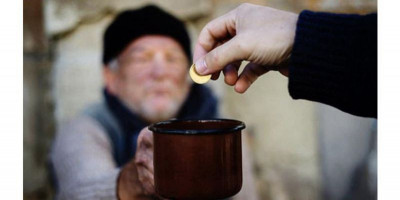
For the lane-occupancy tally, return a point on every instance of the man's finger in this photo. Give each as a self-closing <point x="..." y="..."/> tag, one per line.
<point x="148" y="175"/>
<point x="145" y="139"/>
<point x="231" y="73"/>
<point x="215" y="75"/>
<point x="145" y="159"/>
<point x="250" y="73"/>
<point x="146" y="178"/>
<point x="218" y="29"/>
<point x="229" y="52"/>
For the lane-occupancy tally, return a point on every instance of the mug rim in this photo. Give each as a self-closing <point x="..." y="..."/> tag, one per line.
<point x="156" y="129"/>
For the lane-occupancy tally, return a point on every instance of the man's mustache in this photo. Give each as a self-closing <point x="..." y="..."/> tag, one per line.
<point x="163" y="86"/>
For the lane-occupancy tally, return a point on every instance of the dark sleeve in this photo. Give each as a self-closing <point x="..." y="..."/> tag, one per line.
<point x="334" y="61"/>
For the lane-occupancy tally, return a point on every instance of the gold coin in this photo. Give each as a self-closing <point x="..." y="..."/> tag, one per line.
<point x="196" y="77"/>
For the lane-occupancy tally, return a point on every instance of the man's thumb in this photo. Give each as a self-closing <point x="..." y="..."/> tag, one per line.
<point x="215" y="60"/>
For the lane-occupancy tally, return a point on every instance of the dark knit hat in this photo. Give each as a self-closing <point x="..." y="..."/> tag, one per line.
<point x="149" y="20"/>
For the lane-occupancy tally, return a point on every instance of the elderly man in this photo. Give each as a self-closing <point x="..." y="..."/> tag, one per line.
<point x="106" y="152"/>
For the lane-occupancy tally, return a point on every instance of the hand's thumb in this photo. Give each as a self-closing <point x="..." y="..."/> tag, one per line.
<point x="215" y="60"/>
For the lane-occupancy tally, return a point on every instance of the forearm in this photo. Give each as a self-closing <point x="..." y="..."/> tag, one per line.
<point x="334" y="61"/>
<point x="103" y="187"/>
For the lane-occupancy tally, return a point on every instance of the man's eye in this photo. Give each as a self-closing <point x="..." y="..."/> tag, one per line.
<point x="171" y="59"/>
<point x="141" y="59"/>
<point x="174" y="59"/>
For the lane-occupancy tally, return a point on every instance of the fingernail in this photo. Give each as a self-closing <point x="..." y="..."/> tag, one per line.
<point x="201" y="66"/>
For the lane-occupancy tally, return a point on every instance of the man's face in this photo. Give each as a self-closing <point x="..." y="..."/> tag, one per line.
<point x="151" y="77"/>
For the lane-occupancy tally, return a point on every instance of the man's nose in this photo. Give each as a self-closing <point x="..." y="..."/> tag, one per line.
<point x="159" y="66"/>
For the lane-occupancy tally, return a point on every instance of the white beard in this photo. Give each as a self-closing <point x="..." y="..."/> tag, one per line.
<point x="149" y="111"/>
<point x="152" y="115"/>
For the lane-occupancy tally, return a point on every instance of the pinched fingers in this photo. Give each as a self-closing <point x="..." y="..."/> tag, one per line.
<point x="218" y="58"/>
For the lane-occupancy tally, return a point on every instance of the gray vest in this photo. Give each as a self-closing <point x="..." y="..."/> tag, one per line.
<point x="102" y="114"/>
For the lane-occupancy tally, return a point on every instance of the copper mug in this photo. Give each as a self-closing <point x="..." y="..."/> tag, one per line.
<point x="197" y="159"/>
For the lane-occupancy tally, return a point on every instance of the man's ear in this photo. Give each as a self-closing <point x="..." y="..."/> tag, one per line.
<point x="110" y="79"/>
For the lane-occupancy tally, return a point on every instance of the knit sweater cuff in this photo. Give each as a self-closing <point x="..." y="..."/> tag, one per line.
<point x="322" y="67"/>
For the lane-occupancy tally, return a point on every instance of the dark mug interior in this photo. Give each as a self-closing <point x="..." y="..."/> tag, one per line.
<point x="197" y="159"/>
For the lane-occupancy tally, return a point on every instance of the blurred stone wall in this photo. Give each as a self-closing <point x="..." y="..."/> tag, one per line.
<point x="62" y="74"/>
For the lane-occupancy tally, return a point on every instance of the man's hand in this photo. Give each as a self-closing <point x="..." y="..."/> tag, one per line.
<point x="144" y="160"/>
<point x="261" y="35"/>
<point x="136" y="180"/>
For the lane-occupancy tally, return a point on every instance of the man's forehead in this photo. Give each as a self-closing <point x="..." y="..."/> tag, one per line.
<point x="154" y="42"/>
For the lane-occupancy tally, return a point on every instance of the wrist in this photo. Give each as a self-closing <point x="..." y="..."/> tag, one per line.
<point x="292" y="24"/>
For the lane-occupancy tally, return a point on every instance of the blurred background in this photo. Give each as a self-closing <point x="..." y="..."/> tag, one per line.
<point x="300" y="149"/>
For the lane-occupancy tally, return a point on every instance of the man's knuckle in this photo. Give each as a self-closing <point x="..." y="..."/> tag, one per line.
<point x="244" y="5"/>
<point x="243" y="48"/>
<point x="214" y="58"/>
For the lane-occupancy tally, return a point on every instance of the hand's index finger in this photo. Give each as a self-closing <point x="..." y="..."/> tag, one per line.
<point x="218" y="29"/>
